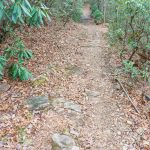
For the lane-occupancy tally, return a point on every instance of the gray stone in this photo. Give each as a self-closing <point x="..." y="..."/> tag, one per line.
<point x="38" y="102"/>
<point x="2" y="144"/>
<point x="147" y="97"/>
<point x="92" y="93"/>
<point x="70" y="70"/>
<point x="58" y="102"/>
<point x="71" y="105"/>
<point x="4" y="87"/>
<point x="129" y="122"/>
<point x="146" y="143"/>
<point x="63" y="142"/>
<point x="73" y="148"/>
<point x="128" y="147"/>
<point x="119" y="133"/>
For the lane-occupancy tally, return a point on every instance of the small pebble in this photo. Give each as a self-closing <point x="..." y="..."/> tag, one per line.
<point x="129" y="122"/>
<point x="119" y="133"/>
<point x="146" y="143"/>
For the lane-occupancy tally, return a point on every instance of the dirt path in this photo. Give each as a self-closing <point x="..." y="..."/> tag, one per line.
<point x="105" y="127"/>
<point x="71" y="68"/>
<point x="102" y="124"/>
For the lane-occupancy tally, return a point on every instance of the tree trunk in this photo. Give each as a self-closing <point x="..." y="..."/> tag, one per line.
<point x="104" y="11"/>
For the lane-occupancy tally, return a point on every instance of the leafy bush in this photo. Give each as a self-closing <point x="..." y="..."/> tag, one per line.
<point x="16" y="70"/>
<point x="145" y="71"/>
<point x="38" y="13"/>
<point x="130" y="27"/>
<point x="15" y="13"/>
<point x="78" y="11"/>
<point x="96" y="14"/>
<point x="134" y="22"/>
<point x="13" y="58"/>
<point x="3" y="61"/>
<point x="129" y="67"/>
<point x="18" y="12"/>
<point x="116" y="36"/>
<point x="93" y="9"/>
<point x="66" y="9"/>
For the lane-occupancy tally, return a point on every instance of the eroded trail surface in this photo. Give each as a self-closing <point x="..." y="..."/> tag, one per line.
<point x="84" y="105"/>
<point x="105" y="126"/>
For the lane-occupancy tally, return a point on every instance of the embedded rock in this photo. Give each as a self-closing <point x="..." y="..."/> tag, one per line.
<point x="38" y="102"/>
<point x="63" y="142"/>
<point x="4" y="87"/>
<point x="92" y="93"/>
<point x="71" y="105"/>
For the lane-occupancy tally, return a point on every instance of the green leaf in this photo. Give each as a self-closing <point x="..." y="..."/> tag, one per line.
<point x="13" y="70"/>
<point x="24" y="74"/>
<point x="20" y="61"/>
<point x="1" y="70"/>
<point x="1" y="14"/>
<point x="40" y="17"/>
<point x="15" y="7"/>
<point x="42" y="13"/>
<point x="27" y="3"/>
<point x="29" y="53"/>
<point x="21" y="19"/>
<point x="14" y="18"/>
<point x="3" y="60"/>
<point x="19" y="12"/>
<point x="1" y="67"/>
<point x="26" y="11"/>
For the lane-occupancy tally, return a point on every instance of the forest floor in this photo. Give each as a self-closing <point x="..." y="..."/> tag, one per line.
<point x="73" y="67"/>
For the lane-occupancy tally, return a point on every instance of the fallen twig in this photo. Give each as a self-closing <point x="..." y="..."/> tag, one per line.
<point x="125" y="91"/>
<point x="93" y="46"/>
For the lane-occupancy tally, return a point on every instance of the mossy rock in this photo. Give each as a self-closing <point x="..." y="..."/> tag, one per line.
<point x="41" y="80"/>
<point x="53" y="68"/>
<point x="71" y="69"/>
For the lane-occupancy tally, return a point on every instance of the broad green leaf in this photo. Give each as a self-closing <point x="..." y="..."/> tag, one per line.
<point x="1" y="14"/>
<point x="14" y="18"/>
<point x="19" y="12"/>
<point x="13" y="70"/>
<point x="27" y="3"/>
<point x="26" y="11"/>
<point x="40" y="17"/>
